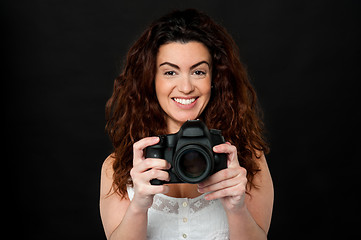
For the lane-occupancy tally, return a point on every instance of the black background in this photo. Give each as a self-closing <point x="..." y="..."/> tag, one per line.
<point x="59" y="62"/>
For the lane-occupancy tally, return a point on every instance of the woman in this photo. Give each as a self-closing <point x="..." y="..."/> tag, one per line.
<point x="183" y="67"/>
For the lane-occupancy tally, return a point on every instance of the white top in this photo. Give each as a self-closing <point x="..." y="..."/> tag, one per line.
<point x="185" y="219"/>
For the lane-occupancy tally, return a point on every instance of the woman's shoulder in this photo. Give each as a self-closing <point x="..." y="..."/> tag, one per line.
<point x="112" y="205"/>
<point x="107" y="166"/>
<point x="260" y="200"/>
<point x="110" y="158"/>
<point x="107" y="174"/>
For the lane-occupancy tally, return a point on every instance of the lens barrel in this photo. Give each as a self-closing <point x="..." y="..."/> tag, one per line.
<point x="193" y="163"/>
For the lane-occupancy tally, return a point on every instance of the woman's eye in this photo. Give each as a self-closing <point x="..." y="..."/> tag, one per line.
<point x="170" y="73"/>
<point x="199" y="73"/>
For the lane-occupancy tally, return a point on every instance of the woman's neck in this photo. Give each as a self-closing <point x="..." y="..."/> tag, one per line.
<point x="173" y="127"/>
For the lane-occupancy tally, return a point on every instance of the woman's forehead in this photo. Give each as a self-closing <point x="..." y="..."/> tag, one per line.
<point x="183" y="54"/>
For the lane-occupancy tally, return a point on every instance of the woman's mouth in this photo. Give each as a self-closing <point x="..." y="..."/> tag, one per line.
<point x="185" y="101"/>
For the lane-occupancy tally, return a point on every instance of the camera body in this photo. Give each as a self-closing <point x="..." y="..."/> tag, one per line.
<point x="189" y="151"/>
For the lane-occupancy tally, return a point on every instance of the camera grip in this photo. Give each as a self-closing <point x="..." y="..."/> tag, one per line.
<point x="156" y="182"/>
<point x="153" y="152"/>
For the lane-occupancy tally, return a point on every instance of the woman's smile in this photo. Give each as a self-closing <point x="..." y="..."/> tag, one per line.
<point x="184" y="102"/>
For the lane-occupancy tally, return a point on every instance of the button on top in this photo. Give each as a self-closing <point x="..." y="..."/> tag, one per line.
<point x="185" y="204"/>
<point x="185" y="220"/>
<point x="184" y="235"/>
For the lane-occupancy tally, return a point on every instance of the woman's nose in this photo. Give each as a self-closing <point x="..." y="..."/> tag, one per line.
<point x="185" y="85"/>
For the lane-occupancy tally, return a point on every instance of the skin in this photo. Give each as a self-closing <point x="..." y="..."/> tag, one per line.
<point x="183" y="75"/>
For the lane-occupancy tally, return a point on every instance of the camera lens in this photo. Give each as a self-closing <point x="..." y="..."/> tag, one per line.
<point x="192" y="163"/>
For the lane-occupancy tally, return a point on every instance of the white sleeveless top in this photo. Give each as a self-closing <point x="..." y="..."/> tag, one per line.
<point x="185" y="219"/>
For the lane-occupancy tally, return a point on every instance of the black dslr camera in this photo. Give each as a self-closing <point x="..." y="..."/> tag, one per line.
<point x="189" y="151"/>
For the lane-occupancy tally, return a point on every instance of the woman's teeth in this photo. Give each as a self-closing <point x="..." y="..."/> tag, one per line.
<point x="184" y="101"/>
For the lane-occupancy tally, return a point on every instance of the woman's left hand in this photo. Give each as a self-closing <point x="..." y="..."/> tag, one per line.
<point x="229" y="184"/>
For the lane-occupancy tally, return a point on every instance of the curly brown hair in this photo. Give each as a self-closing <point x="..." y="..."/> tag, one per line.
<point x="133" y="111"/>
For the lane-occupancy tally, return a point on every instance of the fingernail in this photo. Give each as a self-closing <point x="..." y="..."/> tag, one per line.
<point x="200" y="190"/>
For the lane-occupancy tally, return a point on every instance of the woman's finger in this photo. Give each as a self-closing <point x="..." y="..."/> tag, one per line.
<point x="156" y="174"/>
<point x="138" y="147"/>
<point x="227" y="183"/>
<point x="231" y="152"/>
<point x="235" y="191"/>
<point x="222" y="175"/>
<point x="150" y="163"/>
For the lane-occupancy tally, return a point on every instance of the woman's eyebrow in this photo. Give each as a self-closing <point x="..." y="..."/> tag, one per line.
<point x="197" y="64"/>
<point x="170" y="64"/>
<point x="177" y="67"/>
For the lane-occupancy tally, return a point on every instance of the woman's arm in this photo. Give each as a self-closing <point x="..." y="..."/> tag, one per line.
<point x="249" y="215"/>
<point x="254" y="219"/>
<point x="122" y="218"/>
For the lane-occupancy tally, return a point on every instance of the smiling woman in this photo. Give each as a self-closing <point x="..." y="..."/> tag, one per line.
<point x="184" y="67"/>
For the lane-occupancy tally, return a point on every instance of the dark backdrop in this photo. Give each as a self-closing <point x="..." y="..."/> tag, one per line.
<point x="60" y="59"/>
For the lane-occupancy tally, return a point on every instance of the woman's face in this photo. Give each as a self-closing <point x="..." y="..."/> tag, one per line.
<point x="183" y="81"/>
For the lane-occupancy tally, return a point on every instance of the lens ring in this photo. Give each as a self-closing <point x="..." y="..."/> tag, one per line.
<point x="190" y="172"/>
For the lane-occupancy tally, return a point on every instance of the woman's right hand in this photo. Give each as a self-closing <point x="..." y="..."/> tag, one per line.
<point x="144" y="170"/>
